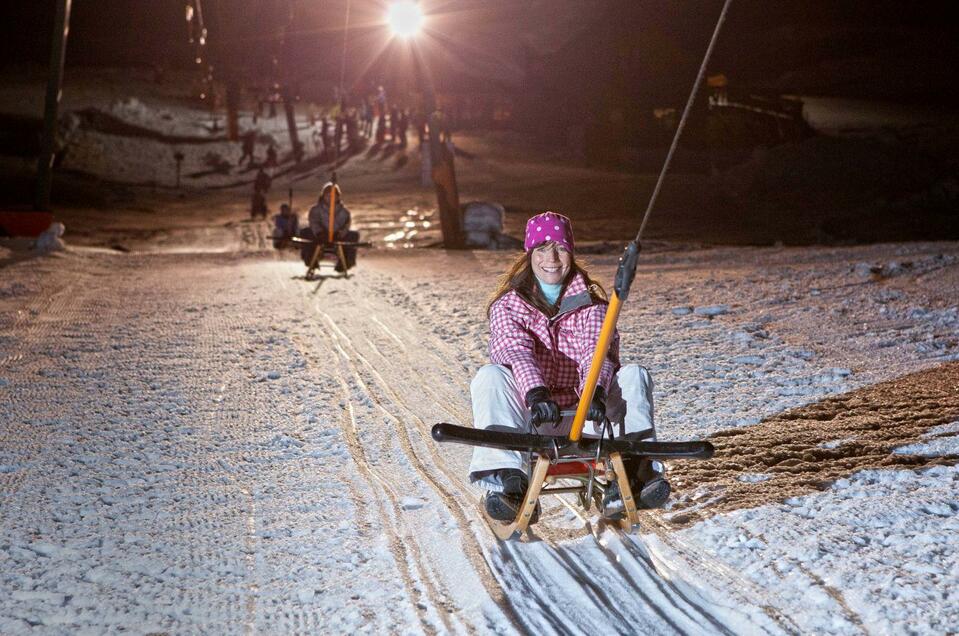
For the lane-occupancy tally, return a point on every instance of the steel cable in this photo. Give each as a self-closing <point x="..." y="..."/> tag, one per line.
<point x="682" y="120"/>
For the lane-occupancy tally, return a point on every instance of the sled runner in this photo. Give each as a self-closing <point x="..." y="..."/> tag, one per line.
<point x="595" y="463"/>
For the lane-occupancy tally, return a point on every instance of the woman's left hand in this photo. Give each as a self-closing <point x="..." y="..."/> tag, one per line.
<point x="597" y="408"/>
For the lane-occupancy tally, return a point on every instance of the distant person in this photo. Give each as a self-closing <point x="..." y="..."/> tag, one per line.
<point x="317" y="138"/>
<point x="325" y="133"/>
<point x="340" y="126"/>
<point x="271" y="161"/>
<point x="380" y="100"/>
<point x="381" y="128"/>
<point x="249" y="141"/>
<point x="286" y="225"/>
<point x="261" y="185"/>
<point x="258" y="205"/>
<point x="361" y="115"/>
<point x="352" y="133"/>
<point x="394" y="124"/>
<point x="319" y="233"/>
<point x="402" y="125"/>
<point x="263" y="181"/>
<point x="367" y="118"/>
<point x="419" y="121"/>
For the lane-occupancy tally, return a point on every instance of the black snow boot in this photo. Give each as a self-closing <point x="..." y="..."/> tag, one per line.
<point x="505" y="505"/>
<point x="649" y="486"/>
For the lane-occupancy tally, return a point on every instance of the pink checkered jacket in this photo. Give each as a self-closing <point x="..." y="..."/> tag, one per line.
<point x="552" y="352"/>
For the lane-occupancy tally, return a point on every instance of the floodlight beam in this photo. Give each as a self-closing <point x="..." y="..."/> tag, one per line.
<point x="405" y="18"/>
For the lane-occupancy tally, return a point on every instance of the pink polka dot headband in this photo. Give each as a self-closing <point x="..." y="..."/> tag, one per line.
<point x="549" y="226"/>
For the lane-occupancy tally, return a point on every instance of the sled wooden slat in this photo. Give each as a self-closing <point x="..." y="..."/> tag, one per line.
<point x="631" y="517"/>
<point x="505" y="531"/>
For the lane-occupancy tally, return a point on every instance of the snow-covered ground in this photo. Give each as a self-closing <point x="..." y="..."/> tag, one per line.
<point x="206" y="443"/>
<point x="195" y="440"/>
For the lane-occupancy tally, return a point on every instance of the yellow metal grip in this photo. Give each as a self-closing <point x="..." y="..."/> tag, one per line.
<point x="332" y="209"/>
<point x="599" y="356"/>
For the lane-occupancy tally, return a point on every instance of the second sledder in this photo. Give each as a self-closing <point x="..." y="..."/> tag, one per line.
<point x="545" y="320"/>
<point x="318" y="232"/>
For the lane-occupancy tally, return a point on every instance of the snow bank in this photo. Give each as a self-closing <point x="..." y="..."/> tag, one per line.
<point x="483" y="226"/>
<point x="49" y="240"/>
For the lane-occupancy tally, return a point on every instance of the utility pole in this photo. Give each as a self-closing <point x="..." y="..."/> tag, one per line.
<point x="232" y="108"/>
<point x="443" y="167"/>
<point x="58" y="47"/>
<point x="286" y="51"/>
<point x="290" y="110"/>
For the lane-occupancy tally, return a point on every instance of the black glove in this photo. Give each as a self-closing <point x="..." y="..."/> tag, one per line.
<point x="597" y="408"/>
<point x="542" y="408"/>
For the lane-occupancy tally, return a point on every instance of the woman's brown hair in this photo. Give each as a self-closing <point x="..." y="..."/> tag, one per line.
<point x="520" y="277"/>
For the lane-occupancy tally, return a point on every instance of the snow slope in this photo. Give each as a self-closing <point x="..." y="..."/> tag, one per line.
<point x="207" y="443"/>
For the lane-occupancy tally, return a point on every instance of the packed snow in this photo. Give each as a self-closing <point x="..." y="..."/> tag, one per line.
<point x="206" y="442"/>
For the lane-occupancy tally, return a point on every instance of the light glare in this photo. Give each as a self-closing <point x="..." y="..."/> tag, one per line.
<point x="405" y="18"/>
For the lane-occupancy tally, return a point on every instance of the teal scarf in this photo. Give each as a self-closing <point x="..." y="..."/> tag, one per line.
<point x="550" y="291"/>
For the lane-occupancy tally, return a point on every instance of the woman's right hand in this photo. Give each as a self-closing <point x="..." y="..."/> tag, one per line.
<point x="542" y="408"/>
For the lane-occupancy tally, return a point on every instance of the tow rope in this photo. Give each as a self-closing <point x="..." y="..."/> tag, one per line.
<point x="626" y="271"/>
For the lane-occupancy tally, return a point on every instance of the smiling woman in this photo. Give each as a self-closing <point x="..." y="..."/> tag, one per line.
<point x="545" y="319"/>
<point x="405" y="18"/>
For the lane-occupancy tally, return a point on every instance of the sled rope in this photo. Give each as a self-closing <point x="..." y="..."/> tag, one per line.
<point x="627" y="264"/>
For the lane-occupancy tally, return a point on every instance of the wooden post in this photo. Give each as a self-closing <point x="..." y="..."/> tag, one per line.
<point x="443" y="168"/>
<point x="444" y="181"/>
<point x="58" y="47"/>
<point x="290" y="111"/>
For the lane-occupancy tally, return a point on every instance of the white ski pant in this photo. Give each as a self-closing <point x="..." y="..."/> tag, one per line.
<point x="497" y="401"/>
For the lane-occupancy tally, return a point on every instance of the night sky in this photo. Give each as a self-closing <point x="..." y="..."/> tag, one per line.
<point x="886" y="49"/>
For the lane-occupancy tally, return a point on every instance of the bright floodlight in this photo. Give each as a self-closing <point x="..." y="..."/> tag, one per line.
<point x="405" y="18"/>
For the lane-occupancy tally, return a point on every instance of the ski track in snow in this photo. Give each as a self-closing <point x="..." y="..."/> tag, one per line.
<point x="205" y="443"/>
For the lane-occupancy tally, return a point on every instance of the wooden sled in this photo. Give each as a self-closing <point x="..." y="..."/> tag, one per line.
<point x="328" y="252"/>
<point x="575" y="457"/>
<point x="593" y="462"/>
